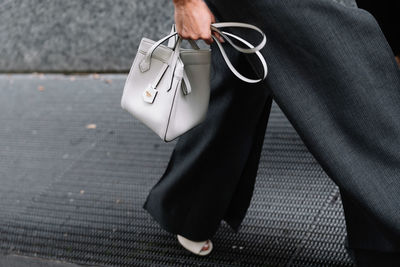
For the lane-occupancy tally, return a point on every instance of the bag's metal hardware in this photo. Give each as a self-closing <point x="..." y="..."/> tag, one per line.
<point x="149" y="94"/>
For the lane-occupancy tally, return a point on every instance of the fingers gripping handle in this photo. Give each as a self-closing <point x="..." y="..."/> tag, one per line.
<point x="172" y="41"/>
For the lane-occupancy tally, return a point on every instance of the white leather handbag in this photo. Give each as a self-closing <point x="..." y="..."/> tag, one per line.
<point x="168" y="87"/>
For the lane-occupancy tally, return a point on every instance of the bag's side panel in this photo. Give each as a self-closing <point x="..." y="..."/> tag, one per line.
<point x="190" y="110"/>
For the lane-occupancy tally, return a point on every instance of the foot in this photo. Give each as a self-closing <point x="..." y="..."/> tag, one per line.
<point x="201" y="248"/>
<point x="206" y="246"/>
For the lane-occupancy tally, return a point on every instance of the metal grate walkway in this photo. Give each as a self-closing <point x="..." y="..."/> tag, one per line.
<point x="75" y="170"/>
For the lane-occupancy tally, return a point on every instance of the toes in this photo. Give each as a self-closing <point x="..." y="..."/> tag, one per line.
<point x="205" y="247"/>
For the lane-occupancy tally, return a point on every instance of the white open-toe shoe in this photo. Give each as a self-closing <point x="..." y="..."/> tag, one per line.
<point x="195" y="247"/>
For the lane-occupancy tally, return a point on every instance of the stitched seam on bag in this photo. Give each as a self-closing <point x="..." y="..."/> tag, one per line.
<point x="189" y="51"/>
<point x="165" y="61"/>
<point x="185" y="50"/>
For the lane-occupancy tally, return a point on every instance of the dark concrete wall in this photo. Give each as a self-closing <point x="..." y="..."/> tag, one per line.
<point x="78" y="35"/>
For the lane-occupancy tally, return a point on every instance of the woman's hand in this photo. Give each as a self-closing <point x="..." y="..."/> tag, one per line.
<point x="193" y="19"/>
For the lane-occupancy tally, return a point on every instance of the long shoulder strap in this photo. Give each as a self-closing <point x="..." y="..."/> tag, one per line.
<point x="218" y="25"/>
<point x="215" y="27"/>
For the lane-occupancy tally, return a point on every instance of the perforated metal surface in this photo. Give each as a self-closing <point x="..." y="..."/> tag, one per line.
<point x="76" y="193"/>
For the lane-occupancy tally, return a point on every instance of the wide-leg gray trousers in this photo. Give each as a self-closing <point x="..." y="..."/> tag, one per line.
<point x="334" y="76"/>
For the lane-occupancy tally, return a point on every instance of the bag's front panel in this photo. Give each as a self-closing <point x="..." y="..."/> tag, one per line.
<point x="153" y="115"/>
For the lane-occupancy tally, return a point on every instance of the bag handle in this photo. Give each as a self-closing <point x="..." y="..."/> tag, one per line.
<point x="145" y="64"/>
<point x="249" y="50"/>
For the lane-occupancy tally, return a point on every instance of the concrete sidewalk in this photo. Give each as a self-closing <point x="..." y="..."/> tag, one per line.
<point x="75" y="169"/>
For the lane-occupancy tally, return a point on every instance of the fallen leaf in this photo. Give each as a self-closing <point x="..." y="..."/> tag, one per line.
<point x="91" y="126"/>
<point x="96" y="76"/>
<point x="72" y="78"/>
<point x="41" y="88"/>
<point x="82" y="191"/>
<point x="108" y="81"/>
